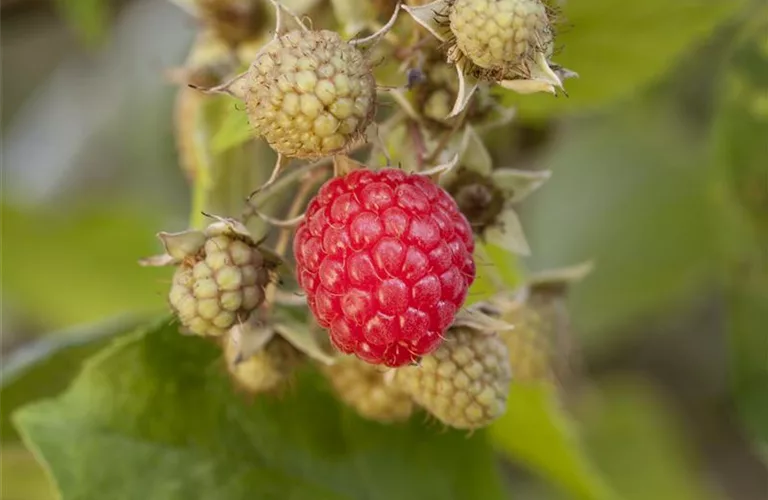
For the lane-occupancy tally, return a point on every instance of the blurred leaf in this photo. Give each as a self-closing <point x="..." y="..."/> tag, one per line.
<point x="739" y="137"/>
<point x="354" y="16"/>
<point x="640" y="446"/>
<point x="505" y="265"/>
<point x="537" y="433"/>
<point x="155" y="416"/>
<point x="23" y="477"/>
<point x="227" y="171"/>
<point x="617" y="49"/>
<point x="629" y="192"/>
<point x="496" y="269"/>
<point x="71" y="268"/>
<point x="508" y="234"/>
<point x="89" y="18"/>
<point x="46" y="366"/>
<point x="233" y="131"/>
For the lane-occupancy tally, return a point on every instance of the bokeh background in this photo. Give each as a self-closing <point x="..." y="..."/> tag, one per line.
<point x="660" y="177"/>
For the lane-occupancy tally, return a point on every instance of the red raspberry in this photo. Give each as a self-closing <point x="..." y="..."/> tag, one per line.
<point x="385" y="259"/>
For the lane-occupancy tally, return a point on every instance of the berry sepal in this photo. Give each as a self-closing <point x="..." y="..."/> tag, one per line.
<point x="221" y="276"/>
<point x="485" y="194"/>
<point x="516" y="56"/>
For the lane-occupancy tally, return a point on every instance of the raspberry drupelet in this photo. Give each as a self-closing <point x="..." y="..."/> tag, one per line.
<point x="385" y="259"/>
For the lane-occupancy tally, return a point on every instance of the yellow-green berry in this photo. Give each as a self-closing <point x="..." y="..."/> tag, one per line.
<point x="501" y="36"/>
<point x="219" y="286"/>
<point x="465" y="382"/>
<point x="542" y="347"/>
<point x="310" y="94"/>
<point x="363" y="387"/>
<point x="529" y="345"/>
<point x="266" y="370"/>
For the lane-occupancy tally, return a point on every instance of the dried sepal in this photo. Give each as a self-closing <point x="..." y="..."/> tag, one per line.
<point x="227" y="226"/>
<point x="508" y="234"/>
<point x="343" y="164"/>
<point x="479" y="317"/>
<point x="474" y="154"/>
<point x="530" y="71"/>
<point x="429" y="16"/>
<point x="303" y="337"/>
<point x="286" y="20"/>
<point x="247" y="338"/>
<point x="366" y="43"/>
<point x="441" y="169"/>
<point x="178" y="246"/>
<point x="542" y="78"/>
<point x="560" y="278"/>
<point x="467" y="86"/>
<point x="518" y="184"/>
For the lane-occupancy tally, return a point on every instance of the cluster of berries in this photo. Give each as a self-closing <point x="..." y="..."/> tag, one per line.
<point x="384" y="257"/>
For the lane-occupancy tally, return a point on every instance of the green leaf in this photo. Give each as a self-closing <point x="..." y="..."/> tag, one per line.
<point x="68" y="268"/>
<point x="739" y="134"/>
<point x="233" y="131"/>
<point x="46" y="366"/>
<point x="154" y="416"/>
<point x="227" y="167"/>
<point x="537" y="433"/>
<point x="618" y="49"/>
<point x="89" y="18"/>
<point x="631" y="193"/>
<point x="627" y="426"/>
<point x="23" y="477"/>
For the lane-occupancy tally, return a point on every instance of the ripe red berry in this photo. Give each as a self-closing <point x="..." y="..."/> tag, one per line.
<point x="385" y="259"/>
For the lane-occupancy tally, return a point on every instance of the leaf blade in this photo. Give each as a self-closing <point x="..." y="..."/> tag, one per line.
<point x="168" y="394"/>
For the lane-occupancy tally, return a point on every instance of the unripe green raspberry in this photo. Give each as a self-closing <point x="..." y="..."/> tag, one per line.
<point x="310" y="94"/>
<point x="501" y="35"/>
<point x="363" y="387"/>
<point x="529" y="345"/>
<point x="266" y="370"/>
<point x="219" y="286"/>
<point x="465" y="382"/>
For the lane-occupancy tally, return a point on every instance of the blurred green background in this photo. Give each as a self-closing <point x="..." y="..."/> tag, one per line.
<point x="660" y="176"/>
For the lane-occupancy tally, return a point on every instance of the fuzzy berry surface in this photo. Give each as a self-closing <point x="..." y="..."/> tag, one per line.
<point x="465" y="382"/>
<point x="219" y="287"/>
<point x="310" y="94"/>
<point x="496" y="34"/>
<point x="385" y="259"/>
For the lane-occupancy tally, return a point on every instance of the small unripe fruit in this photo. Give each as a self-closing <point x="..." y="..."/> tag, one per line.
<point x="465" y="382"/>
<point x="363" y="387"/>
<point x="266" y="370"/>
<point x="220" y="285"/>
<point x="529" y="345"/>
<point x="501" y="35"/>
<point x="542" y="345"/>
<point x="310" y="94"/>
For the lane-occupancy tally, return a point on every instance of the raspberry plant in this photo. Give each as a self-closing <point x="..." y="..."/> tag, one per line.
<point x="402" y="297"/>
